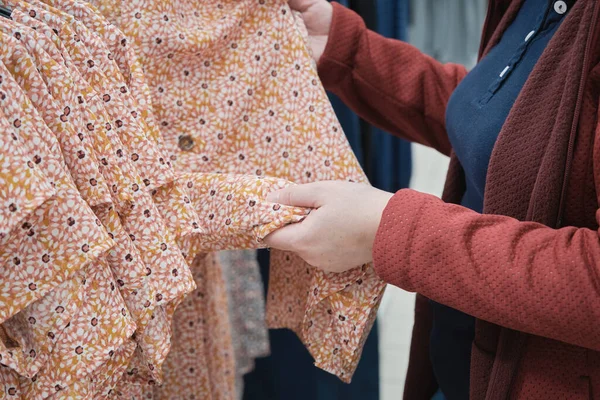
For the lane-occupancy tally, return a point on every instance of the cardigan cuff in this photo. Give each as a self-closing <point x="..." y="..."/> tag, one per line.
<point x="393" y="242"/>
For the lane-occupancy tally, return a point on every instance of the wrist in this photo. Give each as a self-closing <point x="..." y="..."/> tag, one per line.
<point x="392" y="247"/>
<point x="378" y="206"/>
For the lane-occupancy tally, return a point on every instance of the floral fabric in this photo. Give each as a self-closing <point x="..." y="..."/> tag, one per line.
<point x="157" y="284"/>
<point x="234" y="90"/>
<point x="24" y="186"/>
<point x="245" y="295"/>
<point x="49" y="300"/>
<point x="132" y="156"/>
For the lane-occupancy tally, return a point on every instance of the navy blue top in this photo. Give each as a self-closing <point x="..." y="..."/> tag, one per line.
<point x="475" y="114"/>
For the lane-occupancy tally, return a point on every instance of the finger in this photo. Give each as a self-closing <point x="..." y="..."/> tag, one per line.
<point x="299" y="5"/>
<point x="285" y="238"/>
<point x="307" y="195"/>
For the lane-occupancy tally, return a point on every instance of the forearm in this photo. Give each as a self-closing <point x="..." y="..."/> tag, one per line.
<point x="388" y="82"/>
<point x="520" y="275"/>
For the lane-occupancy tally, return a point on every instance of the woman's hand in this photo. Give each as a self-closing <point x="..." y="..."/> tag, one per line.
<point x="317" y="16"/>
<point x="339" y="233"/>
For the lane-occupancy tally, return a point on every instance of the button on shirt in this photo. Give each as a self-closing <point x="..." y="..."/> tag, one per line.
<point x="475" y="115"/>
<point x="186" y="142"/>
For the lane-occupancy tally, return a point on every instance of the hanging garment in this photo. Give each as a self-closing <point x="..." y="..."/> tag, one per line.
<point x="124" y="257"/>
<point x="72" y="285"/>
<point x="246" y="301"/>
<point x="166" y="330"/>
<point x="19" y="65"/>
<point x="124" y="176"/>
<point x="200" y="364"/>
<point x="140" y="298"/>
<point x="234" y="90"/>
<point x="249" y="333"/>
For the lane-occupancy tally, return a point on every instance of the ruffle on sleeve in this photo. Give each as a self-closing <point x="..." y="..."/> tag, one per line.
<point x="166" y="276"/>
<point x="353" y="299"/>
<point x="81" y="341"/>
<point x="54" y="242"/>
<point x="76" y="148"/>
<point x="41" y="334"/>
<point x="87" y="116"/>
<point x="53" y="274"/>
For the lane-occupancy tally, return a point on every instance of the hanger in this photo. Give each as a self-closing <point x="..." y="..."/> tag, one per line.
<point x="5" y="12"/>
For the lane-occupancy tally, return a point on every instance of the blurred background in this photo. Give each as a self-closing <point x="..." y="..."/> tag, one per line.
<point x="448" y="30"/>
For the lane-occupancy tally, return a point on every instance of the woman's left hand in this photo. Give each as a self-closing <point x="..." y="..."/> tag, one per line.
<point x="339" y="233"/>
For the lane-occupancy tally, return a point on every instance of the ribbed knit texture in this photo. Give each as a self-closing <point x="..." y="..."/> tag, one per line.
<point x="526" y="276"/>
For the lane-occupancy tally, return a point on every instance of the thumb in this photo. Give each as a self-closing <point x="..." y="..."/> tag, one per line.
<point x="300" y="5"/>
<point x="284" y="238"/>
<point x="307" y="195"/>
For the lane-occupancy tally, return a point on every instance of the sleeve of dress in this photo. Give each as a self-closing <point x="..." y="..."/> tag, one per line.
<point x="521" y="275"/>
<point x="331" y="313"/>
<point x="389" y="83"/>
<point x="233" y="211"/>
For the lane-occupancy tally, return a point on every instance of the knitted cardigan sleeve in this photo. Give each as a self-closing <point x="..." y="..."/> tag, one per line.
<point x="389" y="83"/>
<point x="521" y="275"/>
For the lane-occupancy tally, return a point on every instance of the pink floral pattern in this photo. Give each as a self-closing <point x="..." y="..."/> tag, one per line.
<point x="235" y="90"/>
<point x="138" y="153"/>
<point x="50" y="300"/>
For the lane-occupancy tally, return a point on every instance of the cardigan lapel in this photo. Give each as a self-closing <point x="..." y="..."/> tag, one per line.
<point x="536" y="137"/>
<point x="527" y="166"/>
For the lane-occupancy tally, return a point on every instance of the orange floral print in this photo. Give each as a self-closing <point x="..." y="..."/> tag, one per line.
<point x="164" y="139"/>
<point x="235" y="90"/>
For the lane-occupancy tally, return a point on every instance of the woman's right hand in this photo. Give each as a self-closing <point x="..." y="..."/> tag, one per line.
<point x="317" y="16"/>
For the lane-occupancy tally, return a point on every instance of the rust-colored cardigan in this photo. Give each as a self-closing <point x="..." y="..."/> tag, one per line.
<point x="529" y="267"/>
